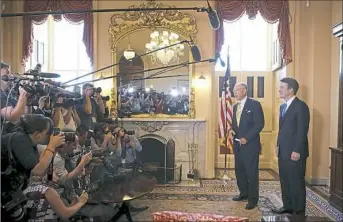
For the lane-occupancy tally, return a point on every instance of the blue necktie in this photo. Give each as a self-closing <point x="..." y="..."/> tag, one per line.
<point x="283" y="109"/>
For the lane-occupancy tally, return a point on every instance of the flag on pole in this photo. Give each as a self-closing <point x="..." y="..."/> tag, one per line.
<point x="225" y="111"/>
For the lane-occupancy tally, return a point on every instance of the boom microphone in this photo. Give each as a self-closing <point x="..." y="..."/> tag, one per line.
<point x="213" y="17"/>
<point x="222" y="63"/>
<point x="196" y="53"/>
<point x="194" y="50"/>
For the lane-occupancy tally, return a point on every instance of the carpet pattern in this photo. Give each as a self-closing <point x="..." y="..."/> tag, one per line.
<point x="214" y="196"/>
<point x="263" y="174"/>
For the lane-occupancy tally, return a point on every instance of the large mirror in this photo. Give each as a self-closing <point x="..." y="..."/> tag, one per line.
<point x="145" y="85"/>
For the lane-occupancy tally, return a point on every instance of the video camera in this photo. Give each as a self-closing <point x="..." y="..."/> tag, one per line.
<point x="36" y="90"/>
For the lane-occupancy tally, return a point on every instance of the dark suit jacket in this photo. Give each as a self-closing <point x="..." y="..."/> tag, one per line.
<point x="293" y="129"/>
<point x="251" y="124"/>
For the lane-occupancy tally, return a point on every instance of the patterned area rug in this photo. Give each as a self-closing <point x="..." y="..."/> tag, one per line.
<point x="214" y="196"/>
<point x="264" y="174"/>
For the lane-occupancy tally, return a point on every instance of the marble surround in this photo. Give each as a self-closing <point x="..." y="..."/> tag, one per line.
<point x="182" y="131"/>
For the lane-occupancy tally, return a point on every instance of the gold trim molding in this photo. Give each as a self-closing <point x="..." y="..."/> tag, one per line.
<point x="123" y="24"/>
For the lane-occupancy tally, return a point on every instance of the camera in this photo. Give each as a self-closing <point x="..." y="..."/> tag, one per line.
<point x="69" y="136"/>
<point x="105" y="98"/>
<point x="37" y="90"/>
<point x="99" y="90"/>
<point x="129" y="132"/>
<point x="69" y="102"/>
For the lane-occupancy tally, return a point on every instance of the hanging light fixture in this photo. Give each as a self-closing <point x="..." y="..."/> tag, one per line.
<point x="129" y="53"/>
<point x="163" y="39"/>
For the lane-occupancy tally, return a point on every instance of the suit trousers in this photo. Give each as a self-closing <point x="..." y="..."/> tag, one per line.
<point x="246" y="169"/>
<point x="293" y="188"/>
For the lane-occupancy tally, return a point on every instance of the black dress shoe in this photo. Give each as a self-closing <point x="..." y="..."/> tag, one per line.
<point x="239" y="198"/>
<point x="250" y="206"/>
<point x="281" y="211"/>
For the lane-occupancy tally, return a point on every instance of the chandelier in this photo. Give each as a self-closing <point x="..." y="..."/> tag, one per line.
<point x="129" y="53"/>
<point x="168" y="55"/>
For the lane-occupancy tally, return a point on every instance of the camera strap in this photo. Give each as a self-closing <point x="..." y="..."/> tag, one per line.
<point x="51" y="170"/>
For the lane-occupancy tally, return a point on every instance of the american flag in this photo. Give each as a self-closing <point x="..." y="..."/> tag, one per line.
<point x="225" y="111"/>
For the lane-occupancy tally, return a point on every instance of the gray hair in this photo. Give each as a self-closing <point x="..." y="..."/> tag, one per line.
<point x="242" y="84"/>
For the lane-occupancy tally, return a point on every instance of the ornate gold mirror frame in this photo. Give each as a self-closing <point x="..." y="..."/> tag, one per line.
<point x="123" y="24"/>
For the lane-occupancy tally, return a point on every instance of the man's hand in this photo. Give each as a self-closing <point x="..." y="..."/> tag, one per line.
<point x="243" y="141"/>
<point x="22" y="92"/>
<point x="295" y="156"/>
<point x="57" y="140"/>
<point x="86" y="158"/>
<point x="83" y="198"/>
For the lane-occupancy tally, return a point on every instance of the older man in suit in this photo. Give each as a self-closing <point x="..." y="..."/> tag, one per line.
<point x="292" y="148"/>
<point x="247" y="123"/>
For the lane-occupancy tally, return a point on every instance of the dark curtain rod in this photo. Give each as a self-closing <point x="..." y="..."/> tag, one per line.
<point x="102" y="10"/>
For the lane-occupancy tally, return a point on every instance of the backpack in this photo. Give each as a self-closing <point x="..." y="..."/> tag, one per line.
<point x="12" y="180"/>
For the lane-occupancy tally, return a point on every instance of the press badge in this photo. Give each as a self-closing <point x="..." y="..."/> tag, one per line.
<point x="94" y="119"/>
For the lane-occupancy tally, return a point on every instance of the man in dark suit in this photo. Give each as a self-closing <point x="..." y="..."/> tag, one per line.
<point x="247" y="123"/>
<point x="292" y="148"/>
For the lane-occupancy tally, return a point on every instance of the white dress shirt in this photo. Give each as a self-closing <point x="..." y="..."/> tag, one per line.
<point x="243" y="102"/>
<point x="288" y="103"/>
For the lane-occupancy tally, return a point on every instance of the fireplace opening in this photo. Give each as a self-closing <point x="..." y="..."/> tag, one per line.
<point x="158" y="158"/>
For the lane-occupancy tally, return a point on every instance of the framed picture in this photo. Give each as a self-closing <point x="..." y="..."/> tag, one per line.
<point x="277" y="61"/>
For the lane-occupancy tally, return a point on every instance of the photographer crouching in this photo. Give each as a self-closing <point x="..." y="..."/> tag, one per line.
<point x="20" y="159"/>
<point x="68" y="178"/>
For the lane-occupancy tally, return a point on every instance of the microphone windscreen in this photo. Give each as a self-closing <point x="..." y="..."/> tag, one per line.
<point x="214" y="19"/>
<point x="196" y="53"/>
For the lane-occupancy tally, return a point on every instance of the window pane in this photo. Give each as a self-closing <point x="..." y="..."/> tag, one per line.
<point x="254" y="44"/>
<point x="66" y="40"/>
<point x="247" y="41"/>
<point x="65" y="75"/>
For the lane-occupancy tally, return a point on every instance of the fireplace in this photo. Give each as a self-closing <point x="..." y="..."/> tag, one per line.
<point x="158" y="157"/>
<point x="166" y="144"/>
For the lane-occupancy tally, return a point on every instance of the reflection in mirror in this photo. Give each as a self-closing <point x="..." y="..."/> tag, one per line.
<point x="142" y="90"/>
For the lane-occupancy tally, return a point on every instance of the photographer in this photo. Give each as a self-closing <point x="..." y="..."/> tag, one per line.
<point x="44" y="107"/>
<point x="57" y="116"/>
<point x="100" y="212"/>
<point x="10" y="107"/>
<point x="126" y="146"/>
<point x="91" y="108"/>
<point x="33" y="129"/>
<point x="71" y="118"/>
